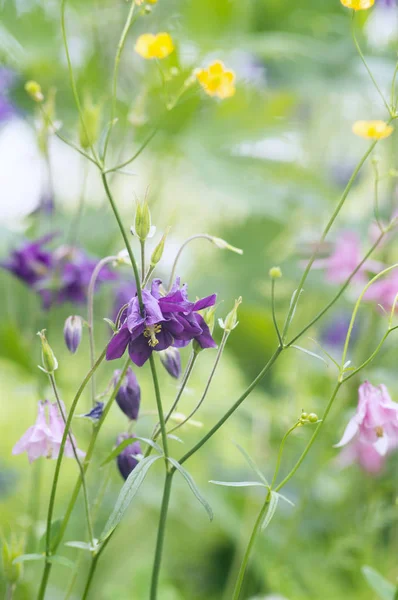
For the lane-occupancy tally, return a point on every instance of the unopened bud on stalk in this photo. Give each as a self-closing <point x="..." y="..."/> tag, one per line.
<point x="231" y="320"/>
<point x="10" y="551"/>
<point x="275" y="273"/>
<point x="129" y="394"/>
<point x="73" y="330"/>
<point x="33" y="89"/>
<point x="143" y="228"/>
<point x="50" y="363"/>
<point x="223" y="245"/>
<point x="171" y="360"/>
<point x="89" y="131"/>
<point x="158" y="252"/>
<point x="313" y="418"/>
<point x="209" y="316"/>
<point x="129" y="457"/>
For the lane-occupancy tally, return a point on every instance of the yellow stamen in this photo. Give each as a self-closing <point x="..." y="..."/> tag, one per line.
<point x="150" y="332"/>
<point x="379" y="431"/>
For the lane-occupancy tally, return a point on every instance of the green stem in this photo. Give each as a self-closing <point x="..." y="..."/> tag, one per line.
<point x="281" y="448"/>
<point x="160" y="536"/>
<point x="198" y="236"/>
<point x="132" y="158"/>
<point x="143" y="269"/>
<point x="366" y="66"/>
<point x="75" y="225"/>
<point x="44" y="580"/>
<point x="273" y="312"/>
<point x="10" y="591"/>
<point x="253" y="537"/>
<point x="162" y="422"/>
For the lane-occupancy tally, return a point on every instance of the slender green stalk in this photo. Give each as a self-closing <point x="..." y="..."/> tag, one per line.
<point x="10" y="591"/>
<point x="273" y="312"/>
<point x="73" y="81"/>
<point x="210" y="379"/>
<point x="132" y="158"/>
<point x="118" y="56"/>
<point x="323" y="237"/>
<point x="253" y="537"/>
<point x="162" y="422"/>
<point x="90" y="314"/>
<point x="281" y="448"/>
<point x="376" y="196"/>
<point x="394" y="79"/>
<point x="160" y="536"/>
<point x="93" y="566"/>
<point x="198" y="236"/>
<point x="125" y="238"/>
<point x="47" y="567"/>
<point x="143" y="268"/>
<point x="75" y="225"/>
<point x="354" y="37"/>
<point x="233" y="408"/>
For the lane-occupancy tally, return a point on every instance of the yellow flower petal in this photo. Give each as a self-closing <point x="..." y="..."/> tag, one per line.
<point x="154" y="46"/>
<point x="358" y="4"/>
<point x="376" y="130"/>
<point x="216" y="80"/>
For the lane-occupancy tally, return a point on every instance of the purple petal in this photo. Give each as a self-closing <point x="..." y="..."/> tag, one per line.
<point x="118" y="344"/>
<point x="140" y="351"/>
<point x="205" y="302"/>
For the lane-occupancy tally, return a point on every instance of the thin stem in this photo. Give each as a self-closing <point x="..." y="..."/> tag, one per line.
<point x="73" y="82"/>
<point x="162" y="422"/>
<point x="72" y="442"/>
<point x="376" y="196"/>
<point x="233" y="408"/>
<point x="11" y="587"/>
<point x="198" y="236"/>
<point x="90" y="313"/>
<point x="312" y="440"/>
<point x="212" y="373"/>
<point x="372" y="356"/>
<point x="75" y="225"/>
<point x="281" y="448"/>
<point x="93" y="567"/>
<point x="147" y="276"/>
<point x="253" y="537"/>
<point x="323" y="237"/>
<point x="125" y="238"/>
<point x="132" y="158"/>
<point x="89" y="455"/>
<point x="119" y="51"/>
<point x="160" y="536"/>
<point x="394" y="79"/>
<point x="143" y="268"/>
<point x="273" y="312"/>
<point x="366" y="66"/>
<point x="44" y="580"/>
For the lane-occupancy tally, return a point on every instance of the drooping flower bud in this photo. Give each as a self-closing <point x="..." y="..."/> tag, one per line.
<point x="73" y="330"/>
<point x="171" y="360"/>
<point x="33" y="89"/>
<point x="158" y="252"/>
<point x="142" y="225"/>
<point x="95" y="413"/>
<point x="50" y="363"/>
<point x="275" y="273"/>
<point x="129" y="394"/>
<point x="129" y="457"/>
<point x="209" y="316"/>
<point x="223" y="245"/>
<point x="10" y="551"/>
<point x="88" y="133"/>
<point x="231" y="320"/>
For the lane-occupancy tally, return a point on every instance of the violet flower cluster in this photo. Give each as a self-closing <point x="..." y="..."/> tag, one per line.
<point x="58" y="276"/>
<point x="167" y="319"/>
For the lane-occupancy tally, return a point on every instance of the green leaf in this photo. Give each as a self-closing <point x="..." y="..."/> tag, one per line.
<point x="251" y="463"/>
<point x="171" y="436"/>
<point x="282" y="497"/>
<point x="193" y="487"/>
<point x="273" y="504"/>
<point x="239" y="483"/>
<point x="55" y="529"/>
<point x="127" y="493"/>
<point x="28" y="557"/>
<point x="80" y="545"/>
<point x="313" y="354"/>
<point x="383" y="588"/>
<point x="62" y="560"/>
<point x="116" y="451"/>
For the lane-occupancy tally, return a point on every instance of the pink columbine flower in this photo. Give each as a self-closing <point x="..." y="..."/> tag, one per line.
<point x="344" y="259"/>
<point x="373" y="431"/>
<point x="45" y="436"/>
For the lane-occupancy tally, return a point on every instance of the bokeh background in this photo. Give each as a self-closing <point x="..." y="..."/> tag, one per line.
<point x="263" y="170"/>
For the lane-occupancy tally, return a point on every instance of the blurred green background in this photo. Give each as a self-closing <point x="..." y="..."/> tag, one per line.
<point x="262" y="170"/>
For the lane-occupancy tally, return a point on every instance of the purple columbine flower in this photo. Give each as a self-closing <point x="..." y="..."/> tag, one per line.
<point x="128" y="458"/>
<point x="73" y="330"/>
<point x="171" y="360"/>
<point x="31" y="263"/>
<point x="129" y="394"/>
<point x="167" y="320"/>
<point x="45" y="436"/>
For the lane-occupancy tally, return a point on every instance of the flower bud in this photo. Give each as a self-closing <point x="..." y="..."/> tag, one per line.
<point x="142" y="226"/>
<point x="223" y="245"/>
<point x="171" y="360"/>
<point x="12" y="572"/>
<point x="275" y="273"/>
<point x="33" y="89"/>
<point x="50" y="363"/>
<point x="209" y="316"/>
<point x="73" y="330"/>
<point x="129" y="457"/>
<point x="129" y="394"/>
<point x="88" y="133"/>
<point x="158" y="252"/>
<point x="231" y="320"/>
<point x="313" y="418"/>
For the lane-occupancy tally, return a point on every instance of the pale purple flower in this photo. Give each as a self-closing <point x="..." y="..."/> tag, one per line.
<point x="171" y="360"/>
<point x="373" y="431"/>
<point x="344" y="259"/>
<point x="384" y="290"/>
<point x="73" y="330"/>
<point x="45" y="436"/>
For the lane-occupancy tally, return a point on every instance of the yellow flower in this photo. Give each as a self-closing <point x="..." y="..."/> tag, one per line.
<point x="376" y="130"/>
<point x="154" y="46"/>
<point x="358" y="4"/>
<point x="217" y="81"/>
<point x="139" y="2"/>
